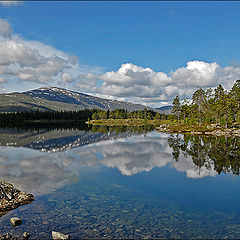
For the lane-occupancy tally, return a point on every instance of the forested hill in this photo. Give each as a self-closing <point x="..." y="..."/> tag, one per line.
<point x="59" y="99"/>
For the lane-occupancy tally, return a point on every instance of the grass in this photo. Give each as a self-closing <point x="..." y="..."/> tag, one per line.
<point x="160" y="125"/>
<point x="127" y="122"/>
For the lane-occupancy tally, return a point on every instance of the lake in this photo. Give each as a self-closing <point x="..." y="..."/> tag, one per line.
<point x="97" y="182"/>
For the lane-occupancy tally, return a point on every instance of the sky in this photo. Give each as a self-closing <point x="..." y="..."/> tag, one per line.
<point x="143" y="52"/>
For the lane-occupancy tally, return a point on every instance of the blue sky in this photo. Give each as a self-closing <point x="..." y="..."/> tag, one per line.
<point x="144" y="52"/>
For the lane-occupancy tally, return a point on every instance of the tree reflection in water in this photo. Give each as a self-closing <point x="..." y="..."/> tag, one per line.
<point x="221" y="152"/>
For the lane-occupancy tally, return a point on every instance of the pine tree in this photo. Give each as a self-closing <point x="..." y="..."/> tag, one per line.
<point x="199" y="100"/>
<point x="176" y="107"/>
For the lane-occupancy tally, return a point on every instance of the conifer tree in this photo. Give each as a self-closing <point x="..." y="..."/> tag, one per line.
<point x="176" y="107"/>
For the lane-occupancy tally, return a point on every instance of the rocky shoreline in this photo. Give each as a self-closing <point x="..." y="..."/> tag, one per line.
<point x="212" y="130"/>
<point x="11" y="197"/>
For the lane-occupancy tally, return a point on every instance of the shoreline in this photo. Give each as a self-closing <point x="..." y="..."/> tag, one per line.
<point x="228" y="132"/>
<point x="170" y="127"/>
<point x="12" y="198"/>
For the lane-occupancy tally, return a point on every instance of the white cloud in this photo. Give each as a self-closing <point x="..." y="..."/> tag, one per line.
<point x="196" y="74"/>
<point x="5" y="28"/>
<point x="130" y="76"/>
<point x="38" y="63"/>
<point x="67" y="78"/>
<point x="16" y="52"/>
<point x="145" y="86"/>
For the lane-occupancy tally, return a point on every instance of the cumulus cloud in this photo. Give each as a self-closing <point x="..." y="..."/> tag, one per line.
<point x="5" y="28"/>
<point x="196" y="74"/>
<point x="131" y="79"/>
<point x="16" y="52"/>
<point x="144" y="85"/>
<point x="36" y="62"/>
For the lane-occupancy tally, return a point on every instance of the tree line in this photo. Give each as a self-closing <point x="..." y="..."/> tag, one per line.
<point x="124" y="114"/>
<point x="209" y="106"/>
<point x="26" y="116"/>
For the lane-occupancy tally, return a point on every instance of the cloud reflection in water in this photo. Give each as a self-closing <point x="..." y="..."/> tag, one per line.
<point x="41" y="173"/>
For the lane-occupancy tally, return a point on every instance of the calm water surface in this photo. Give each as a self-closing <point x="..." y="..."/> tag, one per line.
<point x="122" y="183"/>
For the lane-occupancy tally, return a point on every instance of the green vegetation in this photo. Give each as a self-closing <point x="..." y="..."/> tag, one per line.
<point x="207" y="111"/>
<point x="121" y="117"/>
<point x="124" y="114"/>
<point x="216" y="106"/>
<point x="121" y="129"/>
<point x="127" y="122"/>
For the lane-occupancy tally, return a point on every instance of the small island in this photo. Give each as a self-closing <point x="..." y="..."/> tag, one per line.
<point x="213" y="112"/>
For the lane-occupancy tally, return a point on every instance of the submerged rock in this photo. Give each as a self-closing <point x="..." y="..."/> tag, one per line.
<point x="11" y="197"/>
<point x="26" y="235"/>
<point x="15" y="221"/>
<point x="58" y="235"/>
<point x="5" y="236"/>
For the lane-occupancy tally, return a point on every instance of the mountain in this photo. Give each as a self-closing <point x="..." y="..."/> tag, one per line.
<point x="59" y="99"/>
<point x="165" y="109"/>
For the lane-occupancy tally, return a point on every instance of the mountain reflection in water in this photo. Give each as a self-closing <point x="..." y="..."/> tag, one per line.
<point x="30" y="167"/>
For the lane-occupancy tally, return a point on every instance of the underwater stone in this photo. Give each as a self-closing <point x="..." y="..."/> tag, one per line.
<point x="26" y="235"/>
<point x="58" y="235"/>
<point x="15" y="221"/>
<point x="6" y="236"/>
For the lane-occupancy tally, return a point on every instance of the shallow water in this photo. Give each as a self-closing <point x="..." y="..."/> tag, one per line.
<point x="108" y="183"/>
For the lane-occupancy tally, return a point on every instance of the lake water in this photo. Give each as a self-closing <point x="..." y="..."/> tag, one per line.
<point x="122" y="183"/>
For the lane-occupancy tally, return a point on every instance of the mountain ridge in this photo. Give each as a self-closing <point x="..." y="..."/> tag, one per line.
<point x="61" y="99"/>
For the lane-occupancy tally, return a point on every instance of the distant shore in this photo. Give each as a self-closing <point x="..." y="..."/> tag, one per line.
<point x="171" y="127"/>
<point x="124" y="122"/>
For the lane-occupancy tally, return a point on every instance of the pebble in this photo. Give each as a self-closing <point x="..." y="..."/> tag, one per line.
<point x="6" y="236"/>
<point x="26" y="235"/>
<point x="15" y="221"/>
<point x="58" y="235"/>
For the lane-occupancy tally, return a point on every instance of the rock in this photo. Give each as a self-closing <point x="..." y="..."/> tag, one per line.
<point x="58" y="235"/>
<point x="26" y="235"/>
<point x="6" y="236"/>
<point x="11" y="198"/>
<point x="15" y="221"/>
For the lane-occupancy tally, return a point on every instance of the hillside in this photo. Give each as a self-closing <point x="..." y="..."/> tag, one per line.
<point x="58" y="99"/>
